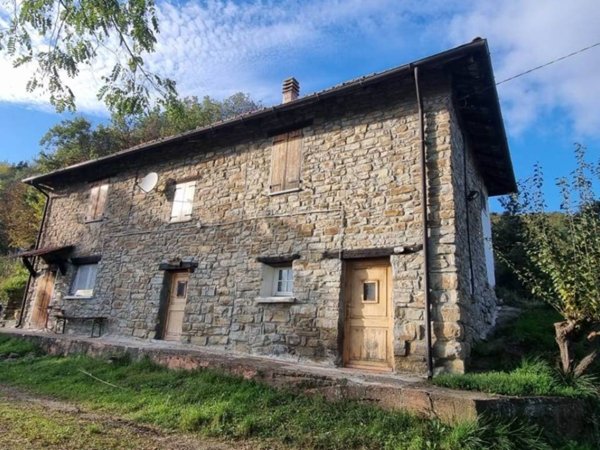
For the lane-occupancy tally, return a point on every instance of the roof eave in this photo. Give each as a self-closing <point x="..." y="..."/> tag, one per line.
<point x="442" y="57"/>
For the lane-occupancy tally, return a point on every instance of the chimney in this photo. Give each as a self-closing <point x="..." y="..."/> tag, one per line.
<point x="291" y="90"/>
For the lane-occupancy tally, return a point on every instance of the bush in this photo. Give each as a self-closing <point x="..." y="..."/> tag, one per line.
<point x="13" y="286"/>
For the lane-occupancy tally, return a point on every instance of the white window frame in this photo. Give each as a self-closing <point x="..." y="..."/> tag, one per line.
<point x="488" y="248"/>
<point x="270" y="290"/>
<point x="183" y="201"/>
<point x="84" y="281"/>
<point x="283" y="281"/>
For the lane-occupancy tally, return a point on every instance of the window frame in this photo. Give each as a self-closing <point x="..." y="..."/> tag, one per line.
<point x="288" y="281"/>
<point x="187" y="204"/>
<point x="89" y="281"/>
<point x="488" y="248"/>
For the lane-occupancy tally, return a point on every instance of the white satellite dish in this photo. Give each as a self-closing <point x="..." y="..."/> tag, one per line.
<point x="148" y="183"/>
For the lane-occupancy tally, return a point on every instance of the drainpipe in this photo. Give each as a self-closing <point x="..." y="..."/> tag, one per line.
<point x="37" y="244"/>
<point x="423" y="155"/>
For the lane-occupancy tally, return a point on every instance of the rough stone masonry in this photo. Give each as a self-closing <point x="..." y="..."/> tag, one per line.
<point x="359" y="189"/>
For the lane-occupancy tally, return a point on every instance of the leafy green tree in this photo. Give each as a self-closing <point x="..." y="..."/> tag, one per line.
<point x="76" y="140"/>
<point x="21" y="208"/>
<point x="563" y="254"/>
<point x="58" y="37"/>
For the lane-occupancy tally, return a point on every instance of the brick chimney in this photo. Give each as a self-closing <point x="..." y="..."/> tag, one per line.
<point x="291" y="90"/>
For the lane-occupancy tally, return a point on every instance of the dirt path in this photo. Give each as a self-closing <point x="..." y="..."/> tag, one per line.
<point x="29" y="421"/>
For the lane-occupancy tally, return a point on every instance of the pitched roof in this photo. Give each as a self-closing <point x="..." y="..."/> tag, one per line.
<point x="478" y="107"/>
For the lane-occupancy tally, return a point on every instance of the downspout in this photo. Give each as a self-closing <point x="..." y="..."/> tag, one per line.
<point x="37" y="244"/>
<point x="425" y="231"/>
<point x="467" y="220"/>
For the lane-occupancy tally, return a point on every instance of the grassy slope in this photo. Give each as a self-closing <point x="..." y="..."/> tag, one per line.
<point x="36" y="428"/>
<point x="519" y="359"/>
<point x="218" y="405"/>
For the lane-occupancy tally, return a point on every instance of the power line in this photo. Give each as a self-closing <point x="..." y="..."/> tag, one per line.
<point x="533" y="69"/>
<point x="549" y="63"/>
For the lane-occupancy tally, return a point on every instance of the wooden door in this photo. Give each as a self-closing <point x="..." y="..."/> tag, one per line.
<point x="45" y="287"/>
<point x="368" y="338"/>
<point x="176" y="307"/>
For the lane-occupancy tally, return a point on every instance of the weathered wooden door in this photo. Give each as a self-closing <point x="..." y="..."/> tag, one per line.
<point x="368" y="338"/>
<point x="45" y="287"/>
<point x="175" y="310"/>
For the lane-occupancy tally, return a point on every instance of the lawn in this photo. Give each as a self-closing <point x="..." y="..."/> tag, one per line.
<point x="36" y="427"/>
<point x="216" y="405"/>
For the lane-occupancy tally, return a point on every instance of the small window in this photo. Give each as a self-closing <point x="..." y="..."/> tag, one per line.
<point x="183" y="201"/>
<point x="283" y="281"/>
<point x="97" y="202"/>
<point x="181" y="289"/>
<point x="370" y="292"/>
<point x="286" y="159"/>
<point x="85" y="279"/>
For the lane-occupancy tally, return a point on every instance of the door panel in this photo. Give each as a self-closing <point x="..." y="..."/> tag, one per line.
<point x="45" y="287"/>
<point x="176" y="308"/>
<point x="368" y="325"/>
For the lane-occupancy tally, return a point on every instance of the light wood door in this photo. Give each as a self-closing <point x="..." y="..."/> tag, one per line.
<point x="45" y="287"/>
<point x="368" y="339"/>
<point x="176" y="308"/>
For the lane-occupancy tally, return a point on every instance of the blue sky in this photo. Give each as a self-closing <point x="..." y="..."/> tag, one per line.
<point x="219" y="48"/>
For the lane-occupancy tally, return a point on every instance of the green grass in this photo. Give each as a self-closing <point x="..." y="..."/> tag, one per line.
<point x="214" y="404"/>
<point x="532" y="377"/>
<point x="17" y="347"/>
<point x="26" y="427"/>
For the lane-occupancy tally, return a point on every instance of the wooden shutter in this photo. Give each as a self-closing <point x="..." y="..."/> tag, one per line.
<point x="188" y="200"/>
<point x="97" y="202"/>
<point x="94" y="193"/>
<point x="178" y="202"/>
<point x="101" y="203"/>
<point x="293" y="160"/>
<point x="286" y="160"/>
<point x="183" y="201"/>
<point x="278" y="157"/>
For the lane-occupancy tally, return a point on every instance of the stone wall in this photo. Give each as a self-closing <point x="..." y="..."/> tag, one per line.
<point x="476" y="296"/>
<point x="360" y="189"/>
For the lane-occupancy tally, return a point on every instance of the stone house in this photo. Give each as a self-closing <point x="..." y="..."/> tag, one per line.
<point x="295" y="231"/>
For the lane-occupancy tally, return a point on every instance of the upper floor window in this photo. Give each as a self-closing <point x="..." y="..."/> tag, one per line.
<point x="286" y="160"/>
<point x="183" y="201"/>
<point x="97" y="202"/>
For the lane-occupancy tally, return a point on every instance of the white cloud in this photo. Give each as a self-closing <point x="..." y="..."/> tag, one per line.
<point x="221" y="47"/>
<point x="525" y="34"/>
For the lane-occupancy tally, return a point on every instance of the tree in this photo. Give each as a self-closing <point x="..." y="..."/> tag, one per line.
<point x="21" y="208"/>
<point x="564" y="252"/>
<point x="58" y="37"/>
<point x="76" y="140"/>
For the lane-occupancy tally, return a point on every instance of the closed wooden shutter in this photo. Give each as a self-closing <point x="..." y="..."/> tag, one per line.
<point x="97" y="202"/>
<point x="101" y="203"/>
<point x="93" y="201"/>
<point x="293" y="161"/>
<point x="286" y="160"/>
<point x="278" y="158"/>
<point x="183" y="201"/>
